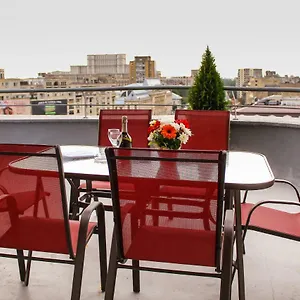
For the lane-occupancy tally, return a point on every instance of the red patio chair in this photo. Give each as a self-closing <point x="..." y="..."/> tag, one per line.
<point x="138" y="123"/>
<point x="194" y="236"/>
<point x="210" y="128"/>
<point x="34" y="216"/>
<point x="210" y="131"/>
<point x="273" y="221"/>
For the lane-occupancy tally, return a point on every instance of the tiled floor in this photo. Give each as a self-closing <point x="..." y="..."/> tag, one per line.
<point x="272" y="270"/>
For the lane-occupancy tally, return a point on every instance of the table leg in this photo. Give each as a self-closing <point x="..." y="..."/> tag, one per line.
<point x="228" y="199"/>
<point x="239" y="244"/>
<point x="74" y="208"/>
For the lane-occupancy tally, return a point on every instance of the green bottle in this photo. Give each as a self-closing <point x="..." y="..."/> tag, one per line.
<point x="124" y="139"/>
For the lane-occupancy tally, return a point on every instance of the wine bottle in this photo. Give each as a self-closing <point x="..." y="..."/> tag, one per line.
<point x="124" y="139"/>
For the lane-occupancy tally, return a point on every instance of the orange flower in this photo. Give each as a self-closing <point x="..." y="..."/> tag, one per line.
<point x="168" y="132"/>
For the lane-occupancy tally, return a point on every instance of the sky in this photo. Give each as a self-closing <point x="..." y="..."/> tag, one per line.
<point x="44" y="36"/>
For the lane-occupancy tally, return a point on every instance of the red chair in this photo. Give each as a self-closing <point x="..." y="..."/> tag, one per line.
<point x="142" y="231"/>
<point x="210" y="128"/>
<point x="34" y="216"/>
<point x="274" y="221"/>
<point x="210" y="131"/>
<point x="138" y="123"/>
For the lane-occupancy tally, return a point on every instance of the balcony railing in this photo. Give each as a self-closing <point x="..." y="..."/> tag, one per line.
<point x="87" y="103"/>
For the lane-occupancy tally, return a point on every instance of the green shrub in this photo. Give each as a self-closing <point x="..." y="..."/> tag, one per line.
<point x="207" y="92"/>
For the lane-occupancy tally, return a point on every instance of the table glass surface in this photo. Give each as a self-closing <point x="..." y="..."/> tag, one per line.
<point x="244" y="170"/>
<point x="249" y="170"/>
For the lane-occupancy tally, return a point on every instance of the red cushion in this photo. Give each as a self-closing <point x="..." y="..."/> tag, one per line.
<point x="97" y="185"/>
<point x="105" y="185"/>
<point x="186" y="191"/>
<point x="173" y="245"/>
<point x="23" y="200"/>
<point x="272" y="219"/>
<point x="42" y="234"/>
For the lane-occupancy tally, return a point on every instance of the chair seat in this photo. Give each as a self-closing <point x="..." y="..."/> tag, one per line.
<point x="24" y="200"/>
<point x="272" y="220"/>
<point x="48" y="236"/>
<point x="173" y="245"/>
<point x="185" y="191"/>
<point x="105" y="185"/>
<point x="97" y="185"/>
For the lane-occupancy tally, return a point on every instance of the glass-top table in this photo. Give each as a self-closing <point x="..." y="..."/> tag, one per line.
<point x="244" y="170"/>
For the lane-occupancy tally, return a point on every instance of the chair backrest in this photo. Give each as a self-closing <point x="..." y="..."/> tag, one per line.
<point x="33" y="205"/>
<point x="144" y="213"/>
<point x="210" y="128"/>
<point x="138" y="123"/>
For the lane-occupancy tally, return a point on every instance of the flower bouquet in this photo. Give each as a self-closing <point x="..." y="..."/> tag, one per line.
<point x="168" y="135"/>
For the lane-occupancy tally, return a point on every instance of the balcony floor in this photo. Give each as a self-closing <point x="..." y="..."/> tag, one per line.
<point x="272" y="271"/>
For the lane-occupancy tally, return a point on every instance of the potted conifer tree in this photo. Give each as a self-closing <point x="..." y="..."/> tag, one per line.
<point x="207" y="92"/>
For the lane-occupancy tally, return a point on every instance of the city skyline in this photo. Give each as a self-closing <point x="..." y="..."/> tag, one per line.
<point x="36" y="38"/>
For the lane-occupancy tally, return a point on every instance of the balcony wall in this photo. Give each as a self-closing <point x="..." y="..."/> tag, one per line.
<point x="275" y="137"/>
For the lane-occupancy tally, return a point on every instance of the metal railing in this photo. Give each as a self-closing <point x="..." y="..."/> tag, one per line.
<point x="85" y="90"/>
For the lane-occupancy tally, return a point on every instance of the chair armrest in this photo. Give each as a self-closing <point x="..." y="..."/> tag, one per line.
<point x="227" y="249"/>
<point x="85" y="218"/>
<point x="281" y="202"/>
<point x="277" y="180"/>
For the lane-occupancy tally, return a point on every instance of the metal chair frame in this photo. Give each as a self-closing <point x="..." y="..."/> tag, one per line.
<point x="225" y="115"/>
<point x="96" y="193"/>
<point x="225" y="230"/>
<point x="78" y="259"/>
<point x="247" y="226"/>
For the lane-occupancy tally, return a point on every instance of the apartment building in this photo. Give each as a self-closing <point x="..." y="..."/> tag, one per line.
<point x="267" y="81"/>
<point x="271" y="79"/>
<point x="13" y="103"/>
<point x="244" y="76"/>
<point x="141" y="68"/>
<point x="53" y="103"/>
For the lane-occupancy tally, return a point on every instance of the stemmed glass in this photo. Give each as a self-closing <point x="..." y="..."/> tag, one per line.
<point x="113" y="134"/>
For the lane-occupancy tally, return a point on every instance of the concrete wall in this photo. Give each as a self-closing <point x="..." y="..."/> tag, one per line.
<point x="279" y="141"/>
<point x="50" y="131"/>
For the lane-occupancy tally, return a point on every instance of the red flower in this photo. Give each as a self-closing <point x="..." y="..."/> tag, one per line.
<point x="154" y="125"/>
<point x="184" y="122"/>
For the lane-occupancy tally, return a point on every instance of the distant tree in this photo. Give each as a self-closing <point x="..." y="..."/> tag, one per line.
<point x="230" y="82"/>
<point x="207" y="92"/>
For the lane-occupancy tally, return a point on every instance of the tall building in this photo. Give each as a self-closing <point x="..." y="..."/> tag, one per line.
<point x="141" y="68"/>
<point x="106" y="64"/>
<point x="244" y="75"/>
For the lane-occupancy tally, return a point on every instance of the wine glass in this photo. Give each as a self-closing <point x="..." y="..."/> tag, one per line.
<point x="113" y="134"/>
